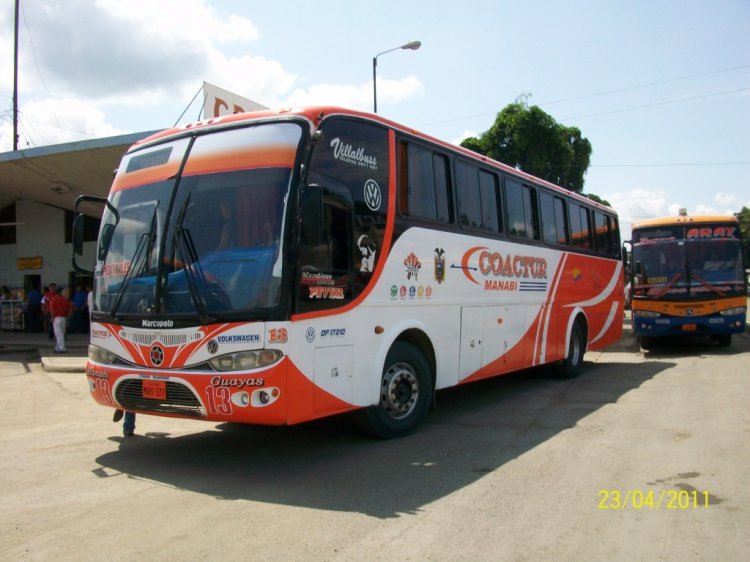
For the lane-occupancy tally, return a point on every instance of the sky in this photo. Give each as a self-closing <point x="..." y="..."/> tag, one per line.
<point x="660" y="88"/>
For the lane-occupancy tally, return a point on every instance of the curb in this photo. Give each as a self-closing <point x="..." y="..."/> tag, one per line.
<point x="72" y="362"/>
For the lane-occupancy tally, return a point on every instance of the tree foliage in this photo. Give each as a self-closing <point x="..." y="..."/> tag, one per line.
<point x="529" y="139"/>
<point x="744" y="217"/>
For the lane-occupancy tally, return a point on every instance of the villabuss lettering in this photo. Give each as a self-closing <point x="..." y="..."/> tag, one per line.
<point x="346" y="153"/>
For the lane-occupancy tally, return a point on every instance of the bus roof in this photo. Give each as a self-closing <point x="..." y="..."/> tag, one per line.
<point x="315" y="114"/>
<point x="697" y="219"/>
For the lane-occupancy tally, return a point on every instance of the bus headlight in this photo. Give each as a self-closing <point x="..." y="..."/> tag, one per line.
<point x="648" y="314"/>
<point x="101" y="355"/>
<point x="245" y="360"/>
<point x="733" y="311"/>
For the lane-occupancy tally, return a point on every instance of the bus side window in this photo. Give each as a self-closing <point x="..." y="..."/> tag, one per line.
<point x="578" y="219"/>
<point x="424" y="184"/>
<point x="326" y="259"/>
<point x="469" y="198"/>
<point x="585" y="228"/>
<point x="601" y="233"/>
<point x="554" y="223"/>
<point x="521" y="205"/>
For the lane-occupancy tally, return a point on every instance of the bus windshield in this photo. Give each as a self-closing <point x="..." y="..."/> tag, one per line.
<point x="678" y="268"/>
<point x="202" y="238"/>
<point x="715" y="267"/>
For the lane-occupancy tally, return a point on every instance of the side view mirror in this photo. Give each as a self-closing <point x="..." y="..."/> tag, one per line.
<point x="90" y="202"/>
<point x="78" y="234"/>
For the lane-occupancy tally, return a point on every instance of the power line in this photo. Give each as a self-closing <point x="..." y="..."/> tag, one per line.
<point x="648" y="84"/>
<point x="671" y="165"/>
<point x="608" y="92"/>
<point x="658" y="104"/>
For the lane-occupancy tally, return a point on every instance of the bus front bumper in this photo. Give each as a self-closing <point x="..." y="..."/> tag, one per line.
<point x="257" y="398"/>
<point x="671" y="326"/>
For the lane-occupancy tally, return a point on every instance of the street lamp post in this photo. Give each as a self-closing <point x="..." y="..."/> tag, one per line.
<point x="411" y="45"/>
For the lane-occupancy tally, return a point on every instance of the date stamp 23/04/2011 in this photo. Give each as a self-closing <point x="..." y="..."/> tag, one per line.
<point x="664" y="499"/>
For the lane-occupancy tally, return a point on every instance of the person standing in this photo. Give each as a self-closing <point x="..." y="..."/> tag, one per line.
<point x="46" y="299"/>
<point x="79" y="320"/>
<point x="128" y="426"/>
<point x="34" y="308"/>
<point x="60" y="308"/>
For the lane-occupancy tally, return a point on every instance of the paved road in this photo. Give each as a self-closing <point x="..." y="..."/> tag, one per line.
<point x="519" y="468"/>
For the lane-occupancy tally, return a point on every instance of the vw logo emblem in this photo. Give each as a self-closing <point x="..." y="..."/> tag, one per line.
<point x="372" y="195"/>
<point x="689" y="311"/>
<point x="310" y="335"/>
<point x="213" y="347"/>
<point x="157" y="355"/>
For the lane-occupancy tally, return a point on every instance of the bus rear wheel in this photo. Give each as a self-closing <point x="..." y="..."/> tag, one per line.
<point x="405" y="393"/>
<point x="571" y="365"/>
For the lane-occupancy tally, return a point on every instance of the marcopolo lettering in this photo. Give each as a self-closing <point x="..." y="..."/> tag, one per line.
<point x="157" y="323"/>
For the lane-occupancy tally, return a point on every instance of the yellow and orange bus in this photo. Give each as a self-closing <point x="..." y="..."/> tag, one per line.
<point x="280" y="266"/>
<point x="687" y="278"/>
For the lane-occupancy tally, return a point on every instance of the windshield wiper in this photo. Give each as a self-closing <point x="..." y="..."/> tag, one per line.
<point x="191" y="264"/>
<point x="143" y="250"/>
<point x="668" y="286"/>
<point x="706" y="284"/>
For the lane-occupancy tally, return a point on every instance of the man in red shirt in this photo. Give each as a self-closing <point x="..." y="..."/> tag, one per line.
<point x="59" y="310"/>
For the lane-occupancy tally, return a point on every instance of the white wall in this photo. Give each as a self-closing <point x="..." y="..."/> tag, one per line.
<point x="42" y="234"/>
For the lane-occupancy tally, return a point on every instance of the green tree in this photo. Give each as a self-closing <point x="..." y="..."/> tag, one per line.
<point x="744" y="217"/>
<point x="529" y="139"/>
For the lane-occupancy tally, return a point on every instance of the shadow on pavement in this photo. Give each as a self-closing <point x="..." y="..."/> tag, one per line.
<point x="329" y="465"/>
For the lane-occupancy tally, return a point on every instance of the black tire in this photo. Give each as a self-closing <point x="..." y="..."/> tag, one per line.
<point x="646" y="342"/>
<point x="725" y="340"/>
<point x="405" y="394"/>
<point x="571" y="365"/>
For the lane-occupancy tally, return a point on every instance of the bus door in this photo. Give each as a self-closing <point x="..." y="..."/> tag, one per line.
<point x="343" y="210"/>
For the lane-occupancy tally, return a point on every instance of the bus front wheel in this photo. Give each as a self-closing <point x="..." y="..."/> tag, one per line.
<point x="725" y="340"/>
<point x="404" y="395"/>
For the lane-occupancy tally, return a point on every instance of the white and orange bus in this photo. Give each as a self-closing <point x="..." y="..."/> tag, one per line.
<point x="688" y="278"/>
<point x="280" y="266"/>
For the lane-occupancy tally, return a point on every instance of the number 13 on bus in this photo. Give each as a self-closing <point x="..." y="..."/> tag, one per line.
<point x="280" y="266"/>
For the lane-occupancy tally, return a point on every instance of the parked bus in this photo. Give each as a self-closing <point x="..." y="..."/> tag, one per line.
<point x="687" y="278"/>
<point x="280" y="266"/>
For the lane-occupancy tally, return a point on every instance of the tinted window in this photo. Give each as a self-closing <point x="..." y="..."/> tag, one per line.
<point x="351" y="165"/>
<point x="601" y="233"/>
<point x="469" y="197"/>
<point x="426" y="184"/>
<point x="560" y="222"/>
<point x="478" y="201"/>
<point x="490" y="208"/>
<point x="553" y="219"/>
<point x="520" y="201"/>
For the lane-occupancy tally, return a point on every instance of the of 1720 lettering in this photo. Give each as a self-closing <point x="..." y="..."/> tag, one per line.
<point x="666" y="499"/>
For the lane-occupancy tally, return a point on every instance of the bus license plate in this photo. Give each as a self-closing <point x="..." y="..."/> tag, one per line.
<point x="156" y="390"/>
<point x="689" y="327"/>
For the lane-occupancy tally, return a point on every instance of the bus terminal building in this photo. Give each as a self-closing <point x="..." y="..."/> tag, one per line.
<point x="38" y="189"/>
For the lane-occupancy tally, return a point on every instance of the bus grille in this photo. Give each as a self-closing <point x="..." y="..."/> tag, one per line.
<point x="180" y="399"/>
<point x="169" y="339"/>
